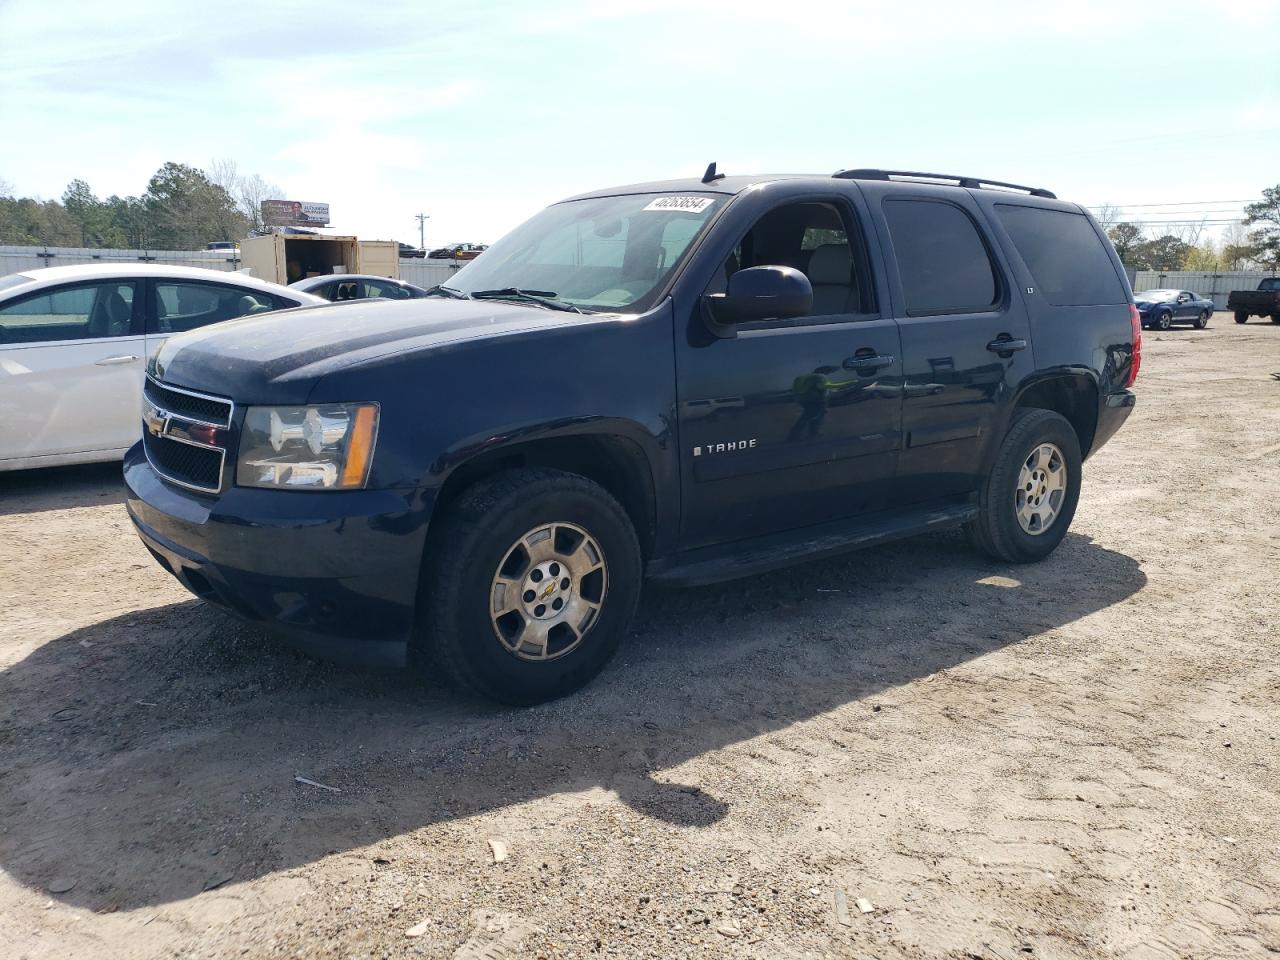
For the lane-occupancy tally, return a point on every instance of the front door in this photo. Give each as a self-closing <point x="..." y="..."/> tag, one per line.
<point x="1188" y="307"/>
<point x="792" y="422"/>
<point x="71" y="362"/>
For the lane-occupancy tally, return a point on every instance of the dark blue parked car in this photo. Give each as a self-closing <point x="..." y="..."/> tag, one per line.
<point x="1163" y="308"/>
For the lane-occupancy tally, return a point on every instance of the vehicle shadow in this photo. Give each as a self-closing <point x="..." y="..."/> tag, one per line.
<point x="60" y="488"/>
<point x="153" y="755"/>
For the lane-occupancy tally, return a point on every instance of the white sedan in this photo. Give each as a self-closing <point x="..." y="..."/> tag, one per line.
<point x="74" y="342"/>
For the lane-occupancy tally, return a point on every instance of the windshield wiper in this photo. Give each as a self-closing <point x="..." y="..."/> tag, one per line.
<point x="441" y="290"/>
<point x="542" y="297"/>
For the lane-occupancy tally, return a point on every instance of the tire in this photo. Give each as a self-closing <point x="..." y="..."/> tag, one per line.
<point x="1241" y="317"/>
<point x="1275" y="318"/>
<point x="509" y="530"/>
<point x="1164" y="320"/>
<point x="1202" y="321"/>
<point x="996" y="529"/>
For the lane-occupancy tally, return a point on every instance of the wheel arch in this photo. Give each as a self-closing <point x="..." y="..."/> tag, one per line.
<point x="608" y="455"/>
<point x="1072" y="393"/>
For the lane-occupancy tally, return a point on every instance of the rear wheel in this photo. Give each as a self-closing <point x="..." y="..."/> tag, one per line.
<point x="1202" y="321"/>
<point x="1241" y="317"/>
<point x="1028" y="500"/>
<point x="1164" y="319"/>
<point x="1275" y="318"/>
<point x="530" y="583"/>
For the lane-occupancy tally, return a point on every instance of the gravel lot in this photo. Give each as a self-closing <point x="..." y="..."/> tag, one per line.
<point x="1073" y="759"/>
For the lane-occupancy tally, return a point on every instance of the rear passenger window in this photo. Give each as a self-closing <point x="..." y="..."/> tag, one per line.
<point x="182" y="306"/>
<point x="1064" y="254"/>
<point x="942" y="262"/>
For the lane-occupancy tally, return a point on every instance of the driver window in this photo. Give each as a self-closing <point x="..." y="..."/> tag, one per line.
<point x="814" y="239"/>
<point x="89" y="311"/>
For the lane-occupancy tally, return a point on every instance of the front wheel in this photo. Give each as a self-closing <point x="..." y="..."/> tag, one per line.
<point x="1202" y="321"/>
<point x="1241" y="317"/>
<point x="1164" y="320"/>
<point x="1028" y="500"/>
<point x="529" y="585"/>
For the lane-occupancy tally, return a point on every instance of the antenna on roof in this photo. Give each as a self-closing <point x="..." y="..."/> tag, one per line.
<point x="711" y="176"/>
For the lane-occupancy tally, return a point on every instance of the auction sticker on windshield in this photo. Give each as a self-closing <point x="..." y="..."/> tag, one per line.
<point x="686" y="204"/>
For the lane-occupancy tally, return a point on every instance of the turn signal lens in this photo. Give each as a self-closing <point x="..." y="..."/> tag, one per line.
<point x="1135" y="356"/>
<point x="360" y="447"/>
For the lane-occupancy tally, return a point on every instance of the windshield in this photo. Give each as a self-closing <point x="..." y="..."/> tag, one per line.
<point x="1156" y="295"/>
<point x="603" y="253"/>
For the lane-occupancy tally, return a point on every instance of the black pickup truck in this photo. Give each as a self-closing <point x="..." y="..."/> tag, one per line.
<point x="690" y="381"/>
<point x="1263" y="302"/>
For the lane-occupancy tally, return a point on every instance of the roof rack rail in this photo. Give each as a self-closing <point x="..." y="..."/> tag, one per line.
<point x="972" y="183"/>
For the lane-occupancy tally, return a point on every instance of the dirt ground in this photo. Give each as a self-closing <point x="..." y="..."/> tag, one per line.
<point x="1075" y="759"/>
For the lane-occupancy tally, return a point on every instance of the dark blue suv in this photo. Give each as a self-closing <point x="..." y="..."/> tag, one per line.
<point x="690" y="380"/>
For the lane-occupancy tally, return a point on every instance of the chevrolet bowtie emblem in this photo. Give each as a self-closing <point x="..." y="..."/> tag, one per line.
<point x="551" y="588"/>
<point x="157" y="422"/>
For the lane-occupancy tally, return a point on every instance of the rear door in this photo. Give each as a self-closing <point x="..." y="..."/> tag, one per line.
<point x="966" y="340"/>
<point x="1073" y="285"/>
<point x="71" y="362"/>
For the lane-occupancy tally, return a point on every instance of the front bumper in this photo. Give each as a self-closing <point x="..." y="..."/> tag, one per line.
<point x="334" y="573"/>
<point x="1114" y="411"/>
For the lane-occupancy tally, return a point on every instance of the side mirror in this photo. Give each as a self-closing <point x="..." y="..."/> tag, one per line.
<point x="760" y="293"/>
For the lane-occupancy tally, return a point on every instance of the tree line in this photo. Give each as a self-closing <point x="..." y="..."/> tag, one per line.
<point x="1251" y="243"/>
<point x="183" y="208"/>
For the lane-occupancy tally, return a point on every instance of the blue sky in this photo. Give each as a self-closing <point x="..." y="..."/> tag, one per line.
<point x="481" y="113"/>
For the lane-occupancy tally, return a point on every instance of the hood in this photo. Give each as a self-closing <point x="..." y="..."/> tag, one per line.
<point x="277" y="357"/>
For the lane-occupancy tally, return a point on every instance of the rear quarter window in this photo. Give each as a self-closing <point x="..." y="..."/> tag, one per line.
<point x="1067" y="259"/>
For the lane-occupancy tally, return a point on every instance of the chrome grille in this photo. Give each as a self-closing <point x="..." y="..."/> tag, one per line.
<point x="189" y="405"/>
<point x="185" y="435"/>
<point x="199" y="468"/>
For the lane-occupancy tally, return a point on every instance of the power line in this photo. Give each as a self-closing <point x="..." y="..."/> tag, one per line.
<point x="1172" y="203"/>
<point x="1177" y="223"/>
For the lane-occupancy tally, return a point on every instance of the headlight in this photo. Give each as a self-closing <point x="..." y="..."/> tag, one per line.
<point x="324" y="447"/>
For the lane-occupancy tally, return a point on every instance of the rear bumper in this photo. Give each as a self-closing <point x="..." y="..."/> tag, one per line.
<point x="335" y="574"/>
<point x="1114" y="411"/>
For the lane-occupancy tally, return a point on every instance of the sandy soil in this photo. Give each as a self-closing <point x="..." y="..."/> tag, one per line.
<point x="1075" y="759"/>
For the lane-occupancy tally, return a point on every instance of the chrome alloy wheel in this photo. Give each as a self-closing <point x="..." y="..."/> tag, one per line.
<point x="547" y="591"/>
<point x="1042" y="486"/>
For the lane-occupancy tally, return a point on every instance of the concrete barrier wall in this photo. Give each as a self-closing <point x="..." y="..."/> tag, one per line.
<point x="17" y="259"/>
<point x="424" y="272"/>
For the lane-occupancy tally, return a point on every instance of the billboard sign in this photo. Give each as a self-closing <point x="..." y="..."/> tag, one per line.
<point x="294" y="213"/>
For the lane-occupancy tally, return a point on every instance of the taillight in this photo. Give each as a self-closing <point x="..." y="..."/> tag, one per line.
<point x="1135" y="358"/>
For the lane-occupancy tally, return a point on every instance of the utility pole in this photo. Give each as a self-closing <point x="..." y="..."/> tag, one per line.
<point x="422" y="226"/>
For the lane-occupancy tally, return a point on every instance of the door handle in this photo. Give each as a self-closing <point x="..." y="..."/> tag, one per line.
<point x="1006" y="345"/>
<point x="869" y="363"/>
<point x="114" y="361"/>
